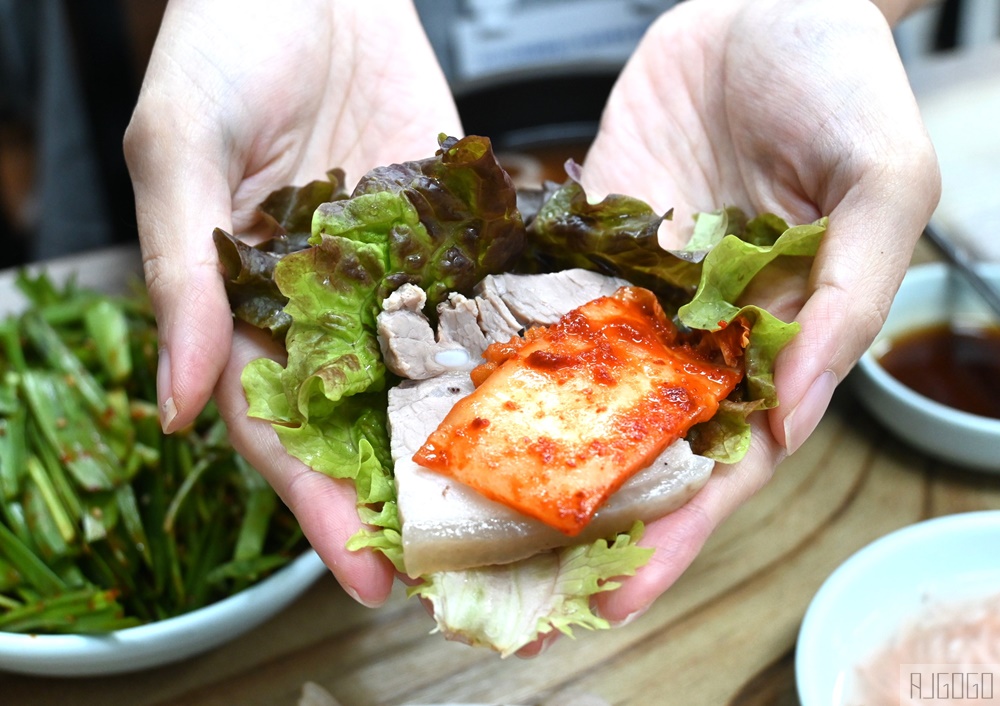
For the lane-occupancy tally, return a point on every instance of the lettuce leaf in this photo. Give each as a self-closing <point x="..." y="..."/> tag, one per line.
<point x="443" y="224"/>
<point x="617" y="236"/>
<point x="698" y="284"/>
<point x="727" y="269"/>
<point x="249" y="270"/>
<point x="510" y="606"/>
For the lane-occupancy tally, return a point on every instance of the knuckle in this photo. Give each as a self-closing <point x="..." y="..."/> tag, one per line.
<point x="154" y="269"/>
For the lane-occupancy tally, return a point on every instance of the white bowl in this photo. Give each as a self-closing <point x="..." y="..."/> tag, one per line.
<point x="930" y="294"/>
<point x="865" y="601"/>
<point x="164" y="641"/>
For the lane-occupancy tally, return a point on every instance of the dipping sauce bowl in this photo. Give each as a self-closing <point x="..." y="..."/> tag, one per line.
<point x="943" y="398"/>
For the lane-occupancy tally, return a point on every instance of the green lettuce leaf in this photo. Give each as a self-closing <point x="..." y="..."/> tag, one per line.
<point x="443" y="224"/>
<point x="249" y="270"/>
<point x="617" y="236"/>
<point x="457" y="218"/>
<point x="510" y="606"/>
<point x="699" y="284"/>
<point x="727" y="270"/>
<point x="290" y="210"/>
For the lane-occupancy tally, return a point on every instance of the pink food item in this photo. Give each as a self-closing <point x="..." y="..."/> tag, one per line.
<point x="948" y="654"/>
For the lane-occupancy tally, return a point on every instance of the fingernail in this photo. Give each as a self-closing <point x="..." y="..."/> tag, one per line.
<point x="630" y="618"/>
<point x="802" y="420"/>
<point x="164" y="393"/>
<point x="353" y="593"/>
<point x="547" y="642"/>
<point x="540" y="646"/>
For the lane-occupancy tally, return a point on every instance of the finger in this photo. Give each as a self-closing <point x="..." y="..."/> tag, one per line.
<point x="181" y="195"/>
<point x="856" y="274"/>
<point x="181" y="164"/>
<point x="879" y="183"/>
<point x="532" y="650"/>
<point x="680" y="536"/>
<point x="324" y="506"/>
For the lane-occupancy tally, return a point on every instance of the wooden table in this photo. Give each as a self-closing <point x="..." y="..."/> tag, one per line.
<point x="724" y="634"/>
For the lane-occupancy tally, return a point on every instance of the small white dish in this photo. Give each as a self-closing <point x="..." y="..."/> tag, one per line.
<point x="867" y="599"/>
<point x="930" y="294"/>
<point x="162" y="642"/>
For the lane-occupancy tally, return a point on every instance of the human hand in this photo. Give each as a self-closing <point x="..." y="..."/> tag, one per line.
<point x="797" y="107"/>
<point x="240" y="98"/>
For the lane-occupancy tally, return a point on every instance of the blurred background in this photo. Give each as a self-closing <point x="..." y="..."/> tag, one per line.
<point x="70" y="71"/>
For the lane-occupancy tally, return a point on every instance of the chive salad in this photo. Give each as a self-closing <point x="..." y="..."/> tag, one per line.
<point x="105" y="522"/>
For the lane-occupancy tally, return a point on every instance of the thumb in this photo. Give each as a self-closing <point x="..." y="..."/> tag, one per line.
<point x="861" y="262"/>
<point x="181" y="194"/>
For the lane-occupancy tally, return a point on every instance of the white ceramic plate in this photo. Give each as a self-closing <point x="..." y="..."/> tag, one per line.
<point x="161" y="642"/>
<point x="866" y="600"/>
<point x="930" y="294"/>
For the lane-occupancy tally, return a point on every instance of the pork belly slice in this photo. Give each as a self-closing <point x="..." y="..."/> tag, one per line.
<point x="577" y="408"/>
<point x="504" y="305"/>
<point x="450" y="526"/>
<point x="540" y="300"/>
<point x="409" y="347"/>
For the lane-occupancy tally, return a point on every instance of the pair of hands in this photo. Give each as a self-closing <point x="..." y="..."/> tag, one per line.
<point x="798" y="107"/>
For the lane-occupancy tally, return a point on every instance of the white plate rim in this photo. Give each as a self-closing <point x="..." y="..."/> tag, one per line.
<point x="163" y="641"/>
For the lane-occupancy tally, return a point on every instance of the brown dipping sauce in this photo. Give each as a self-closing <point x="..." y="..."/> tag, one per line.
<point x="959" y="368"/>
